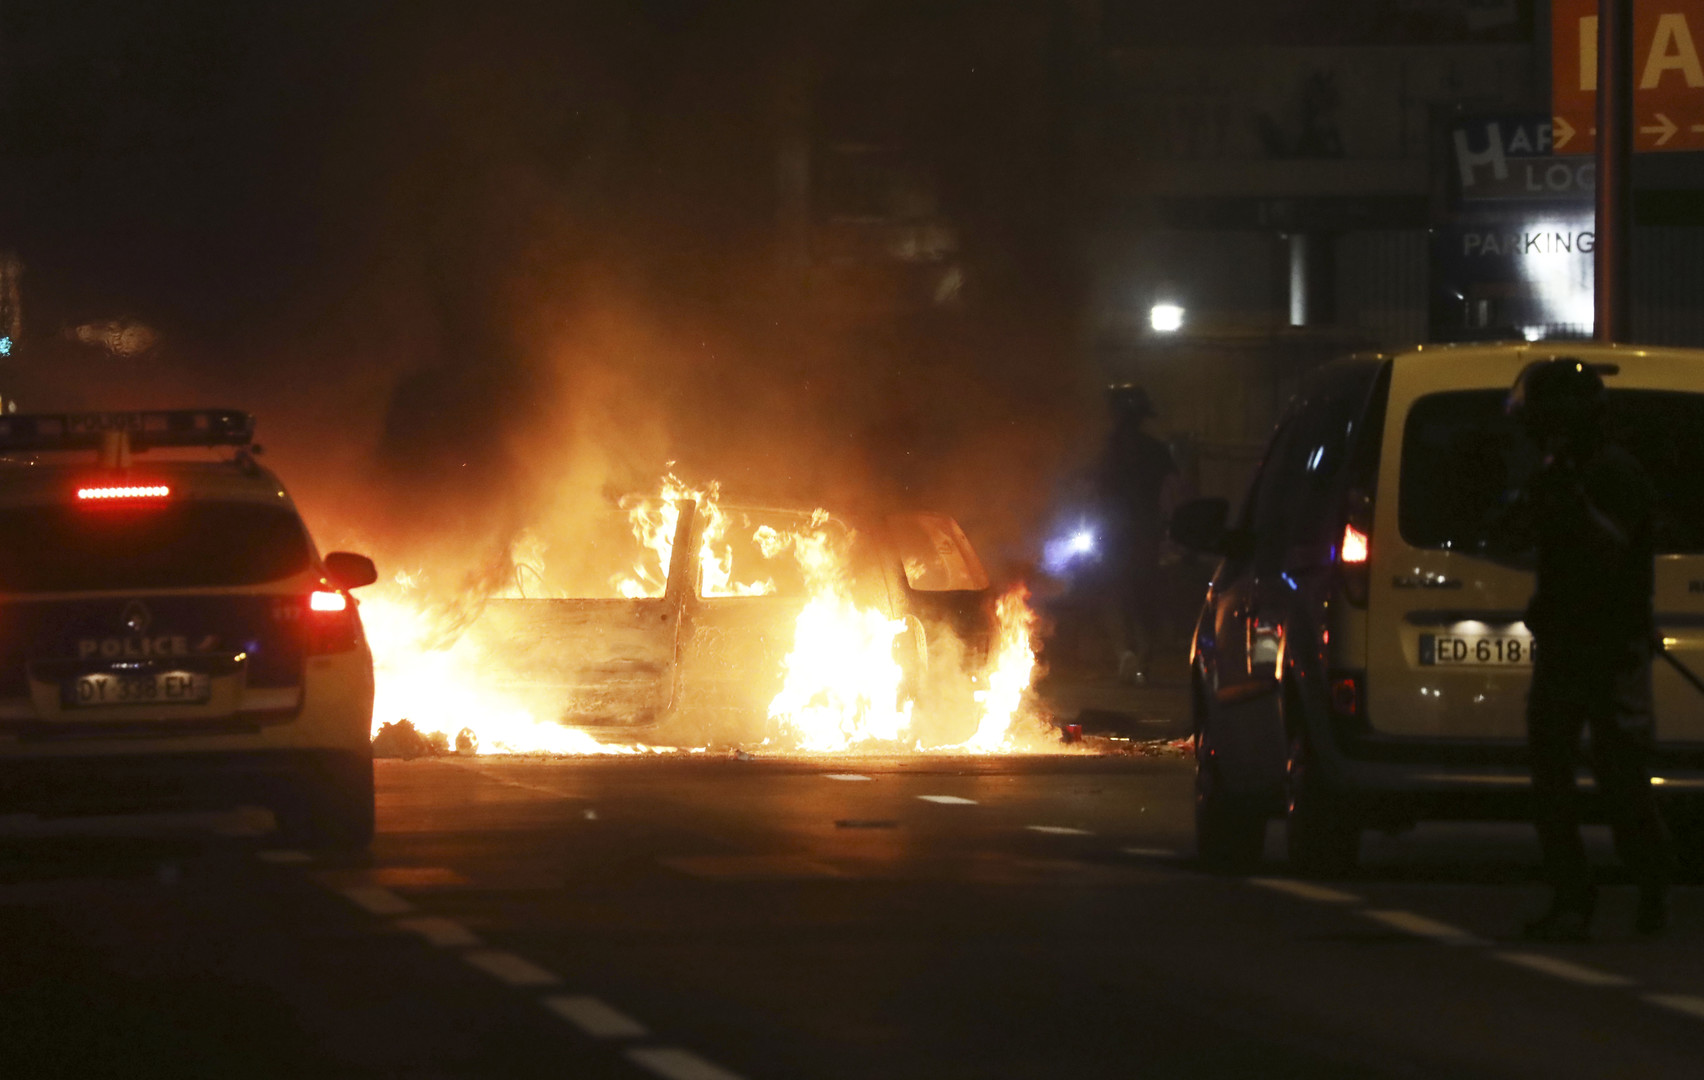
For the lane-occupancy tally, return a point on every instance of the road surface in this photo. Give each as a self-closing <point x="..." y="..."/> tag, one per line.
<point x="699" y="917"/>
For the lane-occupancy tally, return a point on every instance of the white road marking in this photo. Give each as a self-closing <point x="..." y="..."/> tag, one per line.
<point x="1683" y="1003"/>
<point x="843" y="776"/>
<point x="1420" y="926"/>
<point x="284" y="858"/>
<point x="444" y="933"/>
<point x="593" y="1017"/>
<point x="378" y="901"/>
<point x="510" y="968"/>
<point x="1150" y="852"/>
<point x="1305" y="890"/>
<point x="1058" y="830"/>
<point x="948" y="800"/>
<point x="1563" y="969"/>
<point x="673" y="1064"/>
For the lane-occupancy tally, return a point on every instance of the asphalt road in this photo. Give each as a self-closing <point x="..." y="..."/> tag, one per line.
<point x="696" y="918"/>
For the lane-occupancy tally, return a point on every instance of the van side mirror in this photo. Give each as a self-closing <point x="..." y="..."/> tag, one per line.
<point x="350" y="571"/>
<point x="1199" y="525"/>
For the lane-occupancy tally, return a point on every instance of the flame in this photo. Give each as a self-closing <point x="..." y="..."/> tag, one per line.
<point x="654" y="522"/>
<point x="842" y="686"/>
<point x="425" y="673"/>
<point x="846" y="681"/>
<point x="1011" y="673"/>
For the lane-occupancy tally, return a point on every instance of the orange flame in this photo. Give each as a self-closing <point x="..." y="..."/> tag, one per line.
<point x="422" y="676"/>
<point x="654" y="522"/>
<point x="1011" y="673"/>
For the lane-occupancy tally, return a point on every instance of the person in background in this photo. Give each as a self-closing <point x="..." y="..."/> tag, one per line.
<point x="1586" y="517"/>
<point x="1136" y="478"/>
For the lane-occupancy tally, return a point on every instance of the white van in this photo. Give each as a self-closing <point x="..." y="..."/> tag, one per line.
<point x="1361" y="660"/>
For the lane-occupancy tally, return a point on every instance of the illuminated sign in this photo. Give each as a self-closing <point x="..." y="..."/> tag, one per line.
<point x="1668" y="75"/>
<point x="1510" y="158"/>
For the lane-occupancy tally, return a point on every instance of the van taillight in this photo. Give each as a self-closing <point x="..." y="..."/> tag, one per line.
<point x="1352" y="557"/>
<point x="1354" y="549"/>
<point x="1346" y="703"/>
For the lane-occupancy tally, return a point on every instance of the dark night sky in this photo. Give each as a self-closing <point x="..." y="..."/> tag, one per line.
<point x="433" y="243"/>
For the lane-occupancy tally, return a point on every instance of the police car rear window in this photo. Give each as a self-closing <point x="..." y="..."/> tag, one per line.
<point x="1461" y="454"/>
<point x="188" y="544"/>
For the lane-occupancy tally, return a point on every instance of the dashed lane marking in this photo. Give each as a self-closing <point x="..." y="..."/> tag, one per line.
<point x="1150" y="852"/>
<point x="512" y="969"/>
<point x="593" y="1017"/>
<point x="1305" y="890"/>
<point x="844" y="776"/>
<point x="948" y="800"/>
<point x="284" y="858"/>
<point x="1563" y="969"/>
<point x="377" y="900"/>
<point x="1422" y="927"/>
<point x="444" y="933"/>
<point x="673" y="1064"/>
<point x="1682" y="1003"/>
<point x="413" y="876"/>
<point x="1058" y="830"/>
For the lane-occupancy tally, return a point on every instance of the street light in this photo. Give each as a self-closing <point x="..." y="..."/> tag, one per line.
<point x="1165" y="318"/>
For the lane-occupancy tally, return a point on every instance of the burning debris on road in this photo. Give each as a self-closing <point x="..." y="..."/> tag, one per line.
<point x="780" y="631"/>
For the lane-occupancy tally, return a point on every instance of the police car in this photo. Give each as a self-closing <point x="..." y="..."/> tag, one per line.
<point x="1360" y="659"/>
<point x="169" y="635"/>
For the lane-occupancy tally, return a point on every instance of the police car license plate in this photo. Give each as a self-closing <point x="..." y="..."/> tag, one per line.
<point x="1476" y="650"/>
<point x="161" y="688"/>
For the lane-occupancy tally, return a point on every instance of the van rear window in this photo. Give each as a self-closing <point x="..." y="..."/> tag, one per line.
<point x="1460" y="454"/>
<point x="190" y="544"/>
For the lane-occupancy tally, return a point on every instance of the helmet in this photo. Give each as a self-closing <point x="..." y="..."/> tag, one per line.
<point x="1561" y="396"/>
<point x="1130" y="399"/>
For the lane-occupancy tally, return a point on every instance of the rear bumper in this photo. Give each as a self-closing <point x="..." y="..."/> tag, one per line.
<point x="179" y="781"/>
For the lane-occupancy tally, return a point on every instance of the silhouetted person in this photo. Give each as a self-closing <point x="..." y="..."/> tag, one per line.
<point x="1134" y="477"/>
<point x="1587" y="515"/>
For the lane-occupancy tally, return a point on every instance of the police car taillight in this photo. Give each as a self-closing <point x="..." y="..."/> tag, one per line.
<point x="123" y="492"/>
<point x="331" y="623"/>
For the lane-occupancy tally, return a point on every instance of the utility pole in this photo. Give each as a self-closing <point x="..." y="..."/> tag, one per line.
<point x="1610" y="256"/>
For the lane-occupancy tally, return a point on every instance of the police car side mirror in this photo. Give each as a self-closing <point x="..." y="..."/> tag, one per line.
<point x="1199" y="525"/>
<point x="350" y="571"/>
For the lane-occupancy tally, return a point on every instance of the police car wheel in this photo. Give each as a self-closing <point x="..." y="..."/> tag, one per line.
<point x="330" y="806"/>
<point x="1229" y="835"/>
<point x="1323" y="835"/>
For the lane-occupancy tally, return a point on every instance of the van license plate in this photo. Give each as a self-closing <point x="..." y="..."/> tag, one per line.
<point x="161" y="688"/>
<point x="1476" y="650"/>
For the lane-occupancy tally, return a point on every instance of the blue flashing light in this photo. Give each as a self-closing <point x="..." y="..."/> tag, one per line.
<point x="6" y="345"/>
<point x="1080" y="544"/>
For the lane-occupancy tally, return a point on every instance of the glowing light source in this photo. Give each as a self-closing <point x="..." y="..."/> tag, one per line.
<point x="138" y="491"/>
<point x="1354" y="548"/>
<point x="5" y="345"/>
<point x="1082" y="542"/>
<point x="1165" y="318"/>
<point x="323" y="600"/>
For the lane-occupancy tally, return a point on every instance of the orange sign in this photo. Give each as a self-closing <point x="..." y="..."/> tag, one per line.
<point x="1668" y="75"/>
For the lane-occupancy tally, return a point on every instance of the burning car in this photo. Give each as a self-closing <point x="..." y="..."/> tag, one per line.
<point x="733" y="625"/>
<point x="698" y="645"/>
